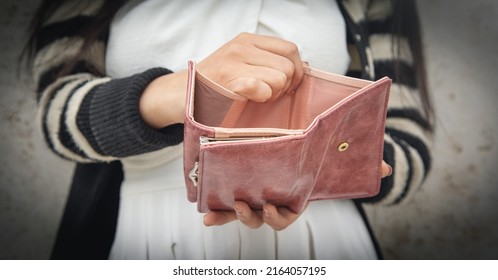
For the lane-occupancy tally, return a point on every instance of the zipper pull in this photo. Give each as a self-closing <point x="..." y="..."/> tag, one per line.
<point x="194" y="174"/>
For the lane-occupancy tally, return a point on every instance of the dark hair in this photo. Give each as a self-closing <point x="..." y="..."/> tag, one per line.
<point x="405" y="23"/>
<point x="99" y="28"/>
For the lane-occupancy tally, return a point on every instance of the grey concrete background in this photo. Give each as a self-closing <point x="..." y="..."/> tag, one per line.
<point x="451" y="217"/>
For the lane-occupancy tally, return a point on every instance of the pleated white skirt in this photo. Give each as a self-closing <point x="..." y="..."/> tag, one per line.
<point x="156" y="221"/>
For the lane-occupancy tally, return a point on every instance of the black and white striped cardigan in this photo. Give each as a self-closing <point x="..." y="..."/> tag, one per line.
<point x="88" y="117"/>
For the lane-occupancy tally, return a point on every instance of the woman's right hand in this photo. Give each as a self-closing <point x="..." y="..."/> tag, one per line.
<point x="260" y="68"/>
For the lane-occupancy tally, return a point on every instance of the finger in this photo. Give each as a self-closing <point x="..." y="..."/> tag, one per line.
<point x="257" y="83"/>
<point x="275" y="79"/>
<point x="246" y="215"/>
<point x="296" y="79"/>
<point x="387" y="170"/>
<point x="250" y="87"/>
<point x="260" y="57"/>
<point x="218" y="218"/>
<point x="278" y="218"/>
<point x="286" y="49"/>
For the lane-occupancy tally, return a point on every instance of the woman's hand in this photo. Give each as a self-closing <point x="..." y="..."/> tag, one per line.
<point x="260" y="68"/>
<point x="278" y="218"/>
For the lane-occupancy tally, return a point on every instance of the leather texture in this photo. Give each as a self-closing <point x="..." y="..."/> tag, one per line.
<point x="325" y="141"/>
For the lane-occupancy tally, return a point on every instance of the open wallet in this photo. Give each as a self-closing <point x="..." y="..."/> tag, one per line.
<point x="323" y="141"/>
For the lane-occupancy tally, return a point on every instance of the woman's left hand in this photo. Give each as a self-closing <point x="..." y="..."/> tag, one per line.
<point x="276" y="217"/>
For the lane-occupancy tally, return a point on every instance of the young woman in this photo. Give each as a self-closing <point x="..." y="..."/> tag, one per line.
<point x="111" y="81"/>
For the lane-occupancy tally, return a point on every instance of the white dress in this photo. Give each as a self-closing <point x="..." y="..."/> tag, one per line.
<point x="156" y="221"/>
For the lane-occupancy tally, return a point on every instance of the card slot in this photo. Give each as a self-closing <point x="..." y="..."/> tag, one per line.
<point x="210" y="107"/>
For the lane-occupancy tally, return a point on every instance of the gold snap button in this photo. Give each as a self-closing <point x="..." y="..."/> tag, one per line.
<point x="343" y="146"/>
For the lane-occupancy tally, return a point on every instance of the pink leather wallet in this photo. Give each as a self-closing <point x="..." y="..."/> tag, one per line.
<point x="325" y="141"/>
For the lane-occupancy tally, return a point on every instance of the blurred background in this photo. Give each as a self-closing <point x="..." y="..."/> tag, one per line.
<point x="451" y="217"/>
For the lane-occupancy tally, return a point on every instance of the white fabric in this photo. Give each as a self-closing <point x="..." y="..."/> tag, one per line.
<point x="156" y="221"/>
<point x="169" y="33"/>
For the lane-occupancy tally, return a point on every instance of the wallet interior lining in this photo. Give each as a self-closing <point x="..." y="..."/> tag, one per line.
<point x="317" y="92"/>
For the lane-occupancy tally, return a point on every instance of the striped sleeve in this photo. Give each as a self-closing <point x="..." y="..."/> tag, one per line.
<point x="84" y="115"/>
<point x="408" y="135"/>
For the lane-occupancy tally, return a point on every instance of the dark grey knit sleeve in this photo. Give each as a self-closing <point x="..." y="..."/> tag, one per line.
<point x="109" y="119"/>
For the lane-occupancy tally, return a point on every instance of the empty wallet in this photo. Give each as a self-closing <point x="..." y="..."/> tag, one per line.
<point x="324" y="141"/>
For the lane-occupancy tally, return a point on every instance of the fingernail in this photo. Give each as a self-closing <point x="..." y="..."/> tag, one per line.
<point x="237" y="211"/>
<point x="390" y="170"/>
<point x="204" y="221"/>
<point x="267" y="213"/>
